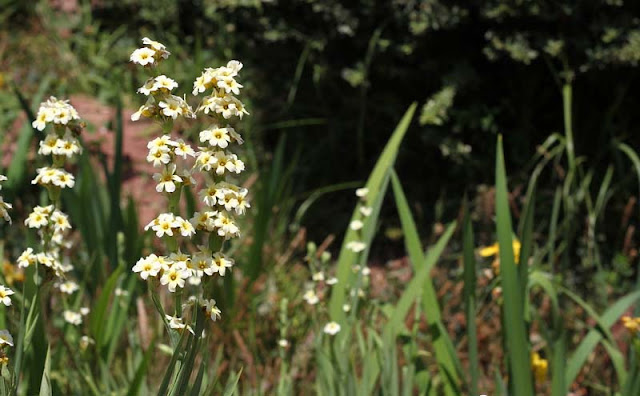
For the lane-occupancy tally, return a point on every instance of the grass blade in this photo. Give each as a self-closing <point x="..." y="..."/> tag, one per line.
<point x="374" y="184"/>
<point x="513" y="316"/>
<point x="469" y="296"/>
<point x="588" y="344"/>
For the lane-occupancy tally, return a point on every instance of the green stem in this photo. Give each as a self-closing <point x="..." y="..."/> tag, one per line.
<point x="156" y="302"/>
<point x="568" y="127"/>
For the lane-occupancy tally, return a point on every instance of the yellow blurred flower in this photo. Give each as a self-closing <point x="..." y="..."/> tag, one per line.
<point x="11" y="273"/>
<point x="494" y="250"/>
<point x="631" y="324"/>
<point x="539" y="367"/>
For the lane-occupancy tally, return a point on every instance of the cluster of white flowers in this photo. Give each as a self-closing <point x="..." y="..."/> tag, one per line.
<point x="149" y="55"/>
<point x="66" y="145"/>
<point x="61" y="144"/>
<point x="176" y="270"/>
<point x="55" y="111"/>
<point x="4" y="206"/>
<point x="161" y="103"/>
<point x="224" y="86"/>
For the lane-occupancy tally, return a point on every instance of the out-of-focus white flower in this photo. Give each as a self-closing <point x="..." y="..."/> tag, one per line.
<point x="71" y="317"/>
<point x="311" y="297"/>
<point x="356" y="246"/>
<point x="366" y="211"/>
<point x="6" y="338"/>
<point x="356" y="225"/>
<point x="5" y="295"/>
<point x="177" y="323"/>
<point x="68" y="287"/>
<point x="362" y="192"/>
<point x="331" y="328"/>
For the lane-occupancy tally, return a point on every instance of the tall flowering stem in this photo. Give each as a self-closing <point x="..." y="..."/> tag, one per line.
<point x="52" y="266"/>
<point x="6" y="340"/>
<point x="194" y="246"/>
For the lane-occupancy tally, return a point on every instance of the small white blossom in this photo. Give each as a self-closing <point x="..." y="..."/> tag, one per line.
<point x="356" y="246"/>
<point x="71" y="317"/>
<point x="143" y="56"/>
<point x="366" y="211"/>
<point x="6" y="338"/>
<point x="362" y="192"/>
<point x="356" y="225"/>
<point x="68" y="287"/>
<point x="212" y="310"/>
<point x="311" y="297"/>
<point x="148" y="266"/>
<point x="331" y="328"/>
<point x="5" y="294"/>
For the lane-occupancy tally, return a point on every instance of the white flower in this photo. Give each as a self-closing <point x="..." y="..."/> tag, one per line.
<point x="346" y="307"/>
<point x="223" y="163"/>
<point x="283" y="343"/>
<point x="147" y="266"/>
<point x="212" y="310"/>
<point x="63" y="179"/>
<point x="167" y="179"/>
<point x="143" y="56"/>
<point x="67" y="146"/>
<point x="171" y="106"/>
<point x="366" y="211"/>
<point x="362" y="192"/>
<point x="147" y="110"/>
<point x="182" y="149"/>
<point x="85" y="341"/>
<point x="153" y="44"/>
<point x="216" y="136"/>
<point x="203" y="263"/>
<point x="177" y="323"/>
<point x="48" y="144"/>
<point x="311" y="297"/>
<point x="165" y="83"/>
<point x="60" y="221"/>
<point x="69" y="287"/>
<point x="5" y="338"/>
<point x="204" y="220"/>
<point x="5" y="294"/>
<point x="318" y="276"/>
<point x="164" y="224"/>
<point x="356" y="225"/>
<point x="37" y="218"/>
<point x="174" y="277"/>
<point x="356" y="246"/>
<point x="332" y="281"/>
<point x="27" y="258"/>
<point x="74" y="318"/>
<point x="158" y="157"/>
<point x="84" y="311"/>
<point x="226" y="226"/>
<point x="331" y="328"/>
<point x="221" y="263"/>
<point x="185" y="227"/>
